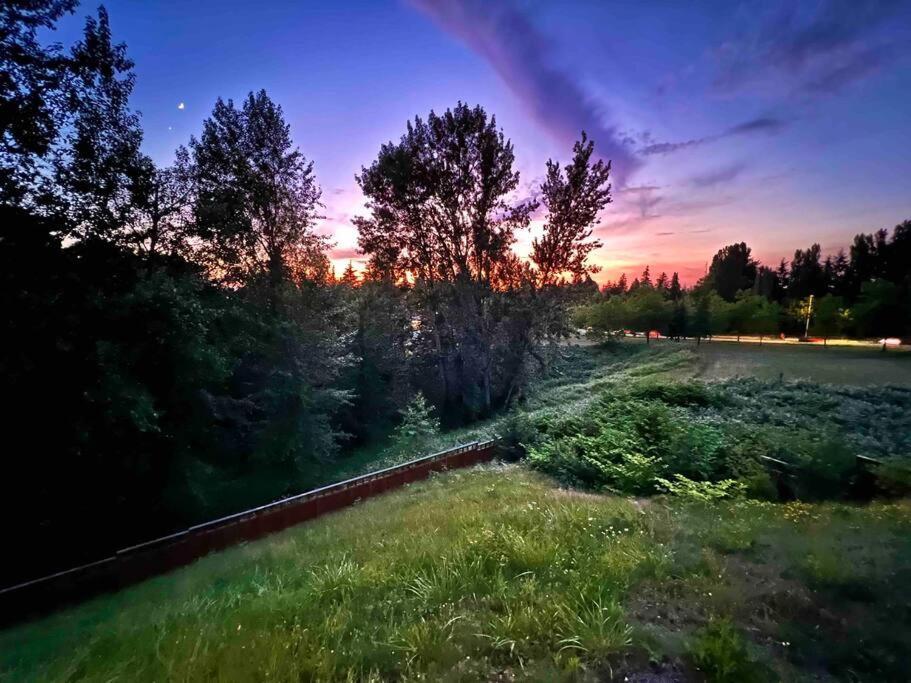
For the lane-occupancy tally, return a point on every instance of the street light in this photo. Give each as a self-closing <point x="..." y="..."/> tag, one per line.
<point x="806" y="334"/>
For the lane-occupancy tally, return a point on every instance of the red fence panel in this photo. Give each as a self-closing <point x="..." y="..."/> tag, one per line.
<point x="139" y="562"/>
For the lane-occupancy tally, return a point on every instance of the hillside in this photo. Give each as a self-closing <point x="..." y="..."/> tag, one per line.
<point x="504" y="573"/>
<point x="497" y="572"/>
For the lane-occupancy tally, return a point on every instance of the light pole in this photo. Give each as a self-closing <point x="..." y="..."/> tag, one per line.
<point x="806" y="334"/>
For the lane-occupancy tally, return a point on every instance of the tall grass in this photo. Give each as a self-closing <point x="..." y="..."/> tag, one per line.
<point x="462" y="577"/>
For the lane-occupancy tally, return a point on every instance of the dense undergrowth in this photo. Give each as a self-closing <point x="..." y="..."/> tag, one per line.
<point x="496" y="574"/>
<point x="642" y="432"/>
<point x="499" y="574"/>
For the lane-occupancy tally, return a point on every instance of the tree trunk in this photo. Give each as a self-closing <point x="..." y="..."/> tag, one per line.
<point x="441" y="363"/>
<point x="648" y="336"/>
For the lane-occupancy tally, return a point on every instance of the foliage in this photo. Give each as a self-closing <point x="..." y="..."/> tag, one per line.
<point x="701" y="491"/>
<point x="256" y="197"/>
<point x="867" y="294"/>
<point x="574" y="197"/>
<point x="722" y="653"/>
<point x="417" y="428"/>
<point x="639" y="431"/>
<point x="733" y="269"/>
<point x="495" y="572"/>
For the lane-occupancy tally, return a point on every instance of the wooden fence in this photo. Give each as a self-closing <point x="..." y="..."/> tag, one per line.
<point x="136" y="563"/>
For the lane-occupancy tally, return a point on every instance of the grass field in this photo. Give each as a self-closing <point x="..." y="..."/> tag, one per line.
<point x="496" y="574"/>
<point x="502" y="573"/>
<point x="587" y="369"/>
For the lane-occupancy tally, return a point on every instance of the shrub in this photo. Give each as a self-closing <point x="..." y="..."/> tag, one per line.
<point x="634" y="473"/>
<point x="721" y="652"/>
<point x="418" y="427"/>
<point x="893" y="479"/>
<point x="517" y="433"/>
<point x="702" y="491"/>
<point x="697" y="452"/>
<point x="826" y="471"/>
<point x="677" y="393"/>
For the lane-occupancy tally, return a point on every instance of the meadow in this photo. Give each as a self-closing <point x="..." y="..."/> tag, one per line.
<point x="575" y="563"/>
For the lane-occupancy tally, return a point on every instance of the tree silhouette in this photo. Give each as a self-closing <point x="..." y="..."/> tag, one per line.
<point x="256" y="195"/>
<point x="32" y="77"/>
<point x="98" y="163"/>
<point x="574" y="196"/>
<point x="733" y="269"/>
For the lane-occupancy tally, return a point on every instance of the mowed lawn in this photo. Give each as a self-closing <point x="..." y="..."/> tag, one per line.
<point x="497" y="574"/>
<point x="858" y="366"/>
<point x="833" y="365"/>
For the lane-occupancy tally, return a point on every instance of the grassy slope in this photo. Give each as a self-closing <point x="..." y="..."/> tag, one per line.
<point x="499" y="571"/>
<point x="496" y="570"/>
<point x="587" y="369"/>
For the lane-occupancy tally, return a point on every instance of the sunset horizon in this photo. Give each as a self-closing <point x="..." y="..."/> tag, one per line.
<point x="748" y="128"/>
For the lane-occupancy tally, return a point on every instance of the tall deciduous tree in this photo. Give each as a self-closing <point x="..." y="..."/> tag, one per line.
<point x="32" y="77"/>
<point x="733" y="269"/>
<point x="256" y="195"/>
<point x="574" y="196"/>
<point x="441" y="218"/>
<point x="161" y="217"/>
<point x="97" y="163"/>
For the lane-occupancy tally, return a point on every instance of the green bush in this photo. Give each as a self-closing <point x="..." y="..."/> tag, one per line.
<point x="701" y="491"/>
<point x="630" y="436"/>
<point x="721" y="652"/>
<point x="677" y="393"/>
<point x="893" y="479"/>
<point x="827" y="470"/>
<point x="517" y="433"/>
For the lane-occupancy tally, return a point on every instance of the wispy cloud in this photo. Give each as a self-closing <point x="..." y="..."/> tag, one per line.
<point x="718" y="176"/>
<point x="503" y="35"/>
<point x="663" y="148"/>
<point x="763" y="124"/>
<point x="814" y="48"/>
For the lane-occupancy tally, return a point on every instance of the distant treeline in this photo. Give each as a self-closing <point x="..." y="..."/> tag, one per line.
<point x="175" y="343"/>
<point x="866" y="293"/>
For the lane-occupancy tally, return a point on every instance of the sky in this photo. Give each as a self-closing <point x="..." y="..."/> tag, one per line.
<point x="779" y="124"/>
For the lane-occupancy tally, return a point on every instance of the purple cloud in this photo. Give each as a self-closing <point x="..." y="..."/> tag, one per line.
<point x="816" y="48"/>
<point x="719" y="176"/>
<point x="762" y="124"/>
<point x="517" y="51"/>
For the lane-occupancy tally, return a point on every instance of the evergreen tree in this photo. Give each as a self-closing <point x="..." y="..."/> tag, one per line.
<point x="622" y="286"/>
<point x="646" y="279"/>
<point x="701" y="323"/>
<point x="349" y="276"/>
<point x="679" y="322"/>
<point x="417" y="429"/>
<point x="675" y="291"/>
<point x="807" y="275"/>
